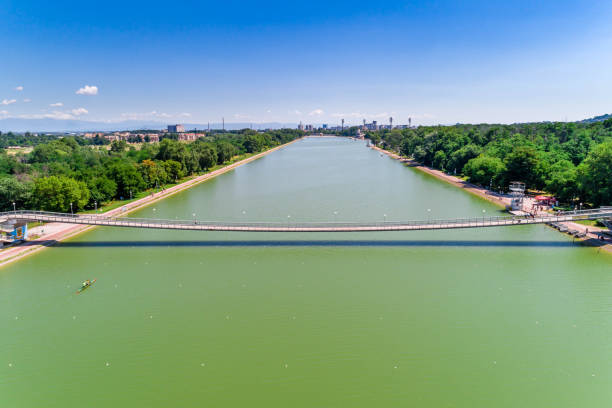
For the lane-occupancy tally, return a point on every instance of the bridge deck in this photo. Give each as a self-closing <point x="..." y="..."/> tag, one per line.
<point x="476" y="222"/>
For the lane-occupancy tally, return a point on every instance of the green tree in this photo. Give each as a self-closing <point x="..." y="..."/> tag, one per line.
<point x="225" y="151"/>
<point x="13" y="191"/>
<point x="102" y="189"/>
<point x="126" y="176"/>
<point x="118" y="146"/>
<point x="521" y="165"/>
<point x="173" y="169"/>
<point x="439" y="160"/>
<point x="55" y="193"/>
<point x="562" y="181"/>
<point x="485" y="170"/>
<point x="595" y="175"/>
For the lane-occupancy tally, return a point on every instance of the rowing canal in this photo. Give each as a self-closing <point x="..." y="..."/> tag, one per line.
<point x="504" y="317"/>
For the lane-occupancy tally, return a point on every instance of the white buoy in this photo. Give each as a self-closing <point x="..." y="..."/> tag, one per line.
<point x="107" y="364"/>
<point x="10" y="364"/>
<point x="286" y="365"/>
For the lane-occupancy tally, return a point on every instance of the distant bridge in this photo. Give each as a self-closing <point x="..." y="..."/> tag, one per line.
<point x="15" y="217"/>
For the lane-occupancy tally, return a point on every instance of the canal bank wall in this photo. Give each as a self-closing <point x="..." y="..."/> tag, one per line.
<point x="60" y="232"/>
<point x="590" y="238"/>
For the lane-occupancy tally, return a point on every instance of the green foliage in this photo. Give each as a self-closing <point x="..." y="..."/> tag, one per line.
<point x="56" y="193"/>
<point x="118" y="146"/>
<point x="561" y="180"/>
<point x="127" y="178"/>
<point x="225" y="151"/>
<point x="563" y="158"/>
<point x="485" y="170"/>
<point x="595" y="175"/>
<point x="102" y="175"/>
<point x="13" y="191"/>
<point x="102" y="190"/>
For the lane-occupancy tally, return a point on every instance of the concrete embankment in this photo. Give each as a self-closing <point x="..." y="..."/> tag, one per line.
<point x="59" y="232"/>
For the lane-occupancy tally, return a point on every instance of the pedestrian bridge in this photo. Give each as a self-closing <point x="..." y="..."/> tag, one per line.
<point x="15" y="217"/>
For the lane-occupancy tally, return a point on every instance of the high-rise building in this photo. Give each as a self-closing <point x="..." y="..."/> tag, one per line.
<point x="176" y="129"/>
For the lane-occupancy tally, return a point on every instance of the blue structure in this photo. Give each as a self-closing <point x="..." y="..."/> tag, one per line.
<point x="20" y="233"/>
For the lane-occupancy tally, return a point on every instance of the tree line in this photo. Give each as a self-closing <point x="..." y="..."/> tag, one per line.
<point x="66" y="170"/>
<point x="572" y="161"/>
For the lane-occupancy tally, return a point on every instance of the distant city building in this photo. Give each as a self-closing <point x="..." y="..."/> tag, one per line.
<point x="176" y="128"/>
<point x="300" y="126"/>
<point x="188" y="137"/>
<point x="308" y="128"/>
<point x="324" y="126"/>
<point x="370" y="126"/>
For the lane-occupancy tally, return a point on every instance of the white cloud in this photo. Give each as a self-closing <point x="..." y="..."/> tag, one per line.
<point x="3" y="112"/>
<point x="26" y="100"/>
<point x="185" y="115"/>
<point x="148" y="115"/>
<point x="88" y="90"/>
<point x="269" y="111"/>
<point x="296" y="112"/>
<point x="8" y="101"/>
<point x="79" y="111"/>
<point x="316" y="112"/>
<point x="52" y="115"/>
<point x="56" y="104"/>
<point x="19" y="88"/>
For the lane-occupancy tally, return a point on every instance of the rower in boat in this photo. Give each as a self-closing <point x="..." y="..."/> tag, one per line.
<point x="85" y="285"/>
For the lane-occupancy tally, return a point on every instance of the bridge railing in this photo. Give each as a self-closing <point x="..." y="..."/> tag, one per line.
<point x="435" y="223"/>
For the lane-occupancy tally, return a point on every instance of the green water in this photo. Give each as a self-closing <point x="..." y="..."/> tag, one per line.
<point x="503" y="317"/>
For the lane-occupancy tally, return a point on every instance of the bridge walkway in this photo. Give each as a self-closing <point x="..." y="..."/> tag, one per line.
<point x="197" y="225"/>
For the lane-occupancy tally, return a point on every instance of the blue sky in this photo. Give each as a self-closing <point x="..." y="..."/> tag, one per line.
<point x="316" y="62"/>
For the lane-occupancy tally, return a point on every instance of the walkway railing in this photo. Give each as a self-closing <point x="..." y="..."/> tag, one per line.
<point x="194" y="224"/>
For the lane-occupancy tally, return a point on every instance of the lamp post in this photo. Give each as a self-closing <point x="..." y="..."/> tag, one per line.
<point x="428" y="214"/>
<point x="483" y="215"/>
<point x="194" y="218"/>
<point x="130" y="194"/>
<point x="95" y="206"/>
<point x="71" y="211"/>
<point x="14" y="208"/>
<point x="335" y="216"/>
<point x="385" y="217"/>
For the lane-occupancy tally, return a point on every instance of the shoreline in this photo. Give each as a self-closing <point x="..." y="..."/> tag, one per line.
<point x="492" y="197"/>
<point x="12" y="254"/>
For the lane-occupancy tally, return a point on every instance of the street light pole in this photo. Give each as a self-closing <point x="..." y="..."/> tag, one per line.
<point x="14" y="208"/>
<point x="71" y="211"/>
<point x="95" y="206"/>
